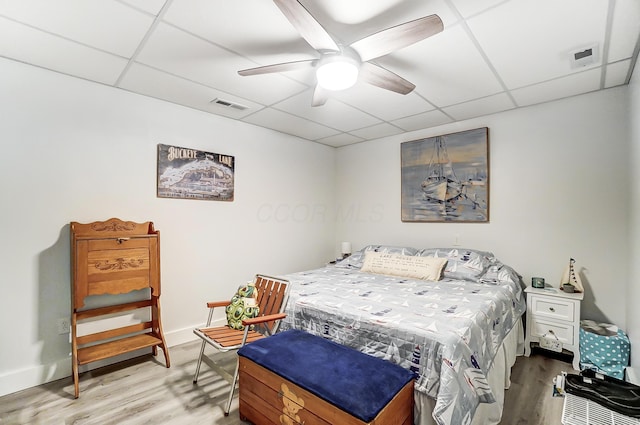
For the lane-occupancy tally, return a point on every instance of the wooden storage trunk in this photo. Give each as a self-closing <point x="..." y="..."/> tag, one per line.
<point x="266" y="397"/>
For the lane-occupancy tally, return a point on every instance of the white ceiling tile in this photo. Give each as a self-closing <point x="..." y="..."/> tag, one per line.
<point x="377" y="131"/>
<point x="420" y="121"/>
<point x="104" y="24"/>
<point x="151" y="6"/>
<point x="291" y="124"/>
<point x="255" y="29"/>
<point x="446" y="68"/>
<point x="625" y="29"/>
<point x="617" y="73"/>
<point x="180" y="53"/>
<point x="530" y="41"/>
<point x="349" y="21"/>
<point x="333" y="114"/>
<point x="383" y="104"/>
<point x="469" y="8"/>
<point x="341" y="139"/>
<point x="58" y="54"/>
<point x="144" y="80"/>
<point x="559" y="88"/>
<point x="485" y="106"/>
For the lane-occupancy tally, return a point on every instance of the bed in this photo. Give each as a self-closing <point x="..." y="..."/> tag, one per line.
<point x="459" y="331"/>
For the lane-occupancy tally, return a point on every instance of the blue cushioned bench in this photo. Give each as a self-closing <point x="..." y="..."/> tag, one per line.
<point x="296" y="377"/>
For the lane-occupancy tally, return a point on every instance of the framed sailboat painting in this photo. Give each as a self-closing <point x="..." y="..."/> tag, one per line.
<point x="446" y="178"/>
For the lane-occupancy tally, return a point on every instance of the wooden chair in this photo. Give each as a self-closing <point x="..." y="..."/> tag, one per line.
<point x="272" y="294"/>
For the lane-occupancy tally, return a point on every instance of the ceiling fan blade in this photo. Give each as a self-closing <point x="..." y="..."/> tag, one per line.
<point x="278" y="67"/>
<point x="320" y="96"/>
<point x="395" y="38"/>
<point x="383" y="78"/>
<point x="307" y="26"/>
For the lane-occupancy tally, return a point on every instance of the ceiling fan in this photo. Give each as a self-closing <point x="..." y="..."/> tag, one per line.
<point x="339" y="67"/>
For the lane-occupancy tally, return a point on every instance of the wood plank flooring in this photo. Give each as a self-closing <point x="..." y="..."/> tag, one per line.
<point x="143" y="391"/>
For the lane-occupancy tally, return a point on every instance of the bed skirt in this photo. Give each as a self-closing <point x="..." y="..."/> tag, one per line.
<point x="499" y="379"/>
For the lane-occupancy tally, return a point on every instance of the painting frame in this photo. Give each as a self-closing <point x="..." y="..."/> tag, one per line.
<point x="445" y="178"/>
<point x="186" y="173"/>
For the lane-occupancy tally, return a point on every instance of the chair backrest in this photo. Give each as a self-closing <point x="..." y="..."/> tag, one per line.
<point x="272" y="297"/>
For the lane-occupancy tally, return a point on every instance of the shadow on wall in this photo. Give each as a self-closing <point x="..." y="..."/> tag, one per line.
<point x="54" y="305"/>
<point x="589" y="308"/>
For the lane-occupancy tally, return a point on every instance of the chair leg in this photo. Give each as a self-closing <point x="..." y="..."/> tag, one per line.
<point x="195" y="377"/>
<point x="233" y="387"/>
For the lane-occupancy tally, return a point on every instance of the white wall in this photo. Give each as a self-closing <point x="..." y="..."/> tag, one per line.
<point x="559" y="189"/>
<point x="633" y="295"/>
<point x="78" y="151"/>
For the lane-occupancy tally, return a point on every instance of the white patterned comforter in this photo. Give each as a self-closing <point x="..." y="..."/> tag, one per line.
<point x="447" y="331"/>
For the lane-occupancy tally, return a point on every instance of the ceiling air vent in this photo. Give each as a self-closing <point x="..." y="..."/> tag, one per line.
<point x="584" y="57"/>
<point x="228" y="104"/>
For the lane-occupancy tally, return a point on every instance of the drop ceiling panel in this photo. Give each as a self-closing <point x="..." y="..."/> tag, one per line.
<point x="493" y="55"/>
<point x="58" y="54"/>
<point x="377" y="131"/>
<point x="349" y="21"/>
<point x="530" y="41"/>
<point x="383" y="104"/>
<point x="104" y="24"/>
<point x="571" y="85"/>
<point x="468" y="8"/>
<point x="255" y="29"/>
<point x="617" y="73"/>
<point x="151" y="6"/>
<point x="291" y="124"/>
<point x="447" y="69"/>
<point x="625" y="30"/>
<point x="338" y="140"/>
<point x="485" y="106"/>
<point x="425" y="120"/>
<point x="144" y="80"/>
<point x="177" y="52"/>
<point x="333" y="114"/>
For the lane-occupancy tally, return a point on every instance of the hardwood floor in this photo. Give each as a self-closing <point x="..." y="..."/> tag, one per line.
<point x="143" y="391"/>
<point x="529" y="401"/>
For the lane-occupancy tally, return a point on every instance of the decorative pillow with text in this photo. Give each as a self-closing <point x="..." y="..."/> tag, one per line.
<point x="424" y="268"/>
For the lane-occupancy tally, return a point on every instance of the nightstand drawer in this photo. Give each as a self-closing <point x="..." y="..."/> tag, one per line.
<point x="548" y="328"/>
<point x="553" y="308"/>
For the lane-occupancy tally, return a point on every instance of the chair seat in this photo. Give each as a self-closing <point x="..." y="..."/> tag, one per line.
<point x="227" y="338"/>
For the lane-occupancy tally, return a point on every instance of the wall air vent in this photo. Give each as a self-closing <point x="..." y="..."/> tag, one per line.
<point x="228" y="104"/>
<point x="584" y="57"/>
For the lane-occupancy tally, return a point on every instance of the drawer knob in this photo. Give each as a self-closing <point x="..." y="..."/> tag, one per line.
<point x="552" y="309"/>
<point x="120" y="240"/>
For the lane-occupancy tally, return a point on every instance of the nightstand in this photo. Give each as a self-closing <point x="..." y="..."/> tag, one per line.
<point x="550" y="312"/>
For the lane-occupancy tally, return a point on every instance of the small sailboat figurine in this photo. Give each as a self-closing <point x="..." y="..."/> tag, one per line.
<point x="570" y="276"/>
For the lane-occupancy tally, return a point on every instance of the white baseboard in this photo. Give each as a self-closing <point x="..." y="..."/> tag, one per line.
<point x="19" y="380"/>
<point x="33" y="376"/>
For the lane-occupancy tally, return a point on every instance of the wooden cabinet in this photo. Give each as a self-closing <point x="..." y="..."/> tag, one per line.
<point x="555" y="314"/>
<point x="267" y="398"/>
<point x="109" y="258"/>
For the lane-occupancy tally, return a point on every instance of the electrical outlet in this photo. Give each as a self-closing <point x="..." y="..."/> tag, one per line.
<point x="64" y="325"/>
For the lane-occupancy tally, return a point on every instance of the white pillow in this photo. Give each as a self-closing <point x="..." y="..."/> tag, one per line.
<point x="424" y="268"/>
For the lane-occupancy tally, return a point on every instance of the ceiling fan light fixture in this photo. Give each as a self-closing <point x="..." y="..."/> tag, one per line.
<point x="337" y="72"/>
